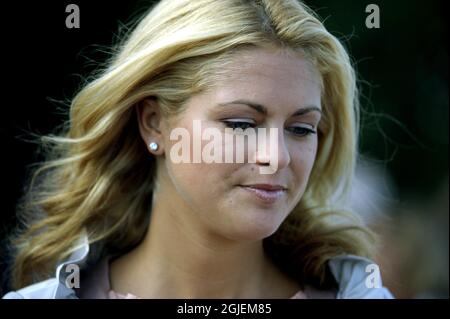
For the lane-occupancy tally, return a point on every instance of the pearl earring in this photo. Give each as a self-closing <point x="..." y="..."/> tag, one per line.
<point x="153" y="146"/>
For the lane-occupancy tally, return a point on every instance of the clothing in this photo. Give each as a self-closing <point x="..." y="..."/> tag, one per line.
<point x="350" y="272"/>
<point x="96" y="285"/>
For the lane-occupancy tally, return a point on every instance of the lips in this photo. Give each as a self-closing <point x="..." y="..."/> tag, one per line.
<point x="268" y="193"/>
<point x="266" y="187"/>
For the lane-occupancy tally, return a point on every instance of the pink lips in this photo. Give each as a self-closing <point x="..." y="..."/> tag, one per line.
<point x="268" y="193"/>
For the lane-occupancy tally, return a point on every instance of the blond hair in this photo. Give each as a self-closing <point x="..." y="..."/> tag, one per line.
<point x="98" y="174"/>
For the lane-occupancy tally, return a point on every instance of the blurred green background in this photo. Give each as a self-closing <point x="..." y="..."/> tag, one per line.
<point x="403" y="73"/>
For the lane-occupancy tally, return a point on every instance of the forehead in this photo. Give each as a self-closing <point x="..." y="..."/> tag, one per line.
<point x="272" y="76"/>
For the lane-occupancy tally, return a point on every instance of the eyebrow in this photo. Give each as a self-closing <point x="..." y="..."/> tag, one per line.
<point x="263" y="110"/>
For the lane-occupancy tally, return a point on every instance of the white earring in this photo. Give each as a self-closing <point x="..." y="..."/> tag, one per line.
<point x="153" y="146"/>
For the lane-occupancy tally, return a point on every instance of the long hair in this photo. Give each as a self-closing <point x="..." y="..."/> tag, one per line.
<point x="98" y="175"/>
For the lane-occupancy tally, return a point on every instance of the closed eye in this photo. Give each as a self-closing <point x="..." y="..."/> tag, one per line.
<point x="243" y="124"/>
<point x="239" y="124"/>
<point x="300" y="131"/>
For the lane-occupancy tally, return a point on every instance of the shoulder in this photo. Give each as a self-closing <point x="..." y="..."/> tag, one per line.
<point x="57" y="287"/>
<point x="357" y="278"/>
<point x="47" y="289"/>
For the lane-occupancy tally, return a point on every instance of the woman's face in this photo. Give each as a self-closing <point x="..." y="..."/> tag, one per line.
<point x="234" y="199"/>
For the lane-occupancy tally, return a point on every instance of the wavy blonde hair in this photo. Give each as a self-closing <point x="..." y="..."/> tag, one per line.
<point x="98" y="174"/>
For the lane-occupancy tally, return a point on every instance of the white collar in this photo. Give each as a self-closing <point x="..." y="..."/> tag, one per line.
<point x="77" y="258"/>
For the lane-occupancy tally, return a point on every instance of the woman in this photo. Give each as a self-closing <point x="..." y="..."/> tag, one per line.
<point x="141" y="223"/>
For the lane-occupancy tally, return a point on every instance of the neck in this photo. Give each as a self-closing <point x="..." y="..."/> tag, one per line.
<point x="180" y="258"/>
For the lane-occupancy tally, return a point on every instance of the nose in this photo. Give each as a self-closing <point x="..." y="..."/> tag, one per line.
<point x="272" y="151"/>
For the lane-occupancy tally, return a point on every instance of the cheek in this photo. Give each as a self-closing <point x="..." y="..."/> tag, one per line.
<point x="303" y="159"/>
<point x="208" y="177"/>
<point x="204" y="187"/>
<point x="200" y="183"/>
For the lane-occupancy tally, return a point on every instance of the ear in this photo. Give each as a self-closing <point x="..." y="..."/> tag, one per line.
<point x="149" y="118"/>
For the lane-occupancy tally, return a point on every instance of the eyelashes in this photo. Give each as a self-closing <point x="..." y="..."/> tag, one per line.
<point x="299" y="131"/>
<point x="236" y="124"/>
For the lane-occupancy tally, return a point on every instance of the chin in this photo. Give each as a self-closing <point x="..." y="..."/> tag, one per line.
<point x="257" y="234"/>
<point x="256" y="228"/>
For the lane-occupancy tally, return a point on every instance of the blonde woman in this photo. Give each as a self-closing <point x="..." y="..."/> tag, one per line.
<point x="115" y="200"/>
